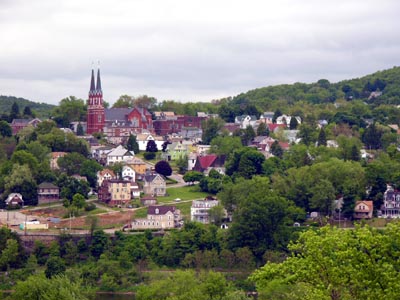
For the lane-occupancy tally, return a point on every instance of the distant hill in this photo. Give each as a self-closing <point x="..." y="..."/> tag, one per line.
<point x="42" y="110"/>
<point x="385" y="84"/>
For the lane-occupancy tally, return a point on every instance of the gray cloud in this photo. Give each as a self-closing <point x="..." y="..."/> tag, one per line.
<point x="186" y="50"/>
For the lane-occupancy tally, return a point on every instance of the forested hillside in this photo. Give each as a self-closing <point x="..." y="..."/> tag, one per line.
<point x="385" y="84"/>
<point x="41" y="110"/>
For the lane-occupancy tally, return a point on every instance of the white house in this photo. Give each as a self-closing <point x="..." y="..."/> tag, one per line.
<point x="199" y="211"/>
<point x="128" y="173"/>
<point x="143" y="138"/>
<point x="245" y="121"/>
<point x="118" y="155"/>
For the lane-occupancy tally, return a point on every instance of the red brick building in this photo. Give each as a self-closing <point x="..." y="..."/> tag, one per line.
<point x="95" y="111"/>
<point x="175" y="125"/>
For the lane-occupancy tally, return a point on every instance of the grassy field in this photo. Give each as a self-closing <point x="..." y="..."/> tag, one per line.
<point x="183" y="193"/>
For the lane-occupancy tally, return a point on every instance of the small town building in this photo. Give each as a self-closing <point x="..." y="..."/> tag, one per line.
<point x="391" y="203"/>
<point x="363" y="210"/>
<point x="148" y="200"/>
<point x="115" y="192"/>
<point x="159" y="217"/>
<point x="200" y="209"/>
<point x="154" y="184"/>
<point x="14" y="200"/>
<point x="48" y="193"/>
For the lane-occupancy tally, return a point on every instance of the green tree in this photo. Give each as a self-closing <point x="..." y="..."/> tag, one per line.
<point x="58" y="287"/>
<point x="322" y="137"/>
<point x="89" y="169"/>
<point x="372" y="137"/>
<point x="192" y="176"/>
<point x="123" y="101"/>
<point x="71" y="163"/>
<point x="262" y="130"/>
<point x="293" y="123"/>
<point x="79" y="130"/>
<point x="316" y="266"/>
<point x="68" y="110"/>
<point x="28" y="112"/>
<point x="307" y="134"/>
<point x="5" y="129"/>
<point x="224" y="145"/>
<point x="132" y="144"/>
<point x="248" y="135"/>
<point x="9" y="254"/>
<point x="21" y="181"/>
<point x="54" y="266"/>
<point x="211" y="127"/>
<point x="78" y="201"/>
<point x="276" y="149"/>
<point x="14" y="114"/>
<point x="100" y="243"/>
<point x="162" y="167"/>
<point x="151" y="146"/>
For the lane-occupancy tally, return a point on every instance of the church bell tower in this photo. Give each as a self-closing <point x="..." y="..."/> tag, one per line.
<point x="95" y="109"/>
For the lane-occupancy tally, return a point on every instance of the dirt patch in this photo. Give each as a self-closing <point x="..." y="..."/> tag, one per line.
<point x="107" y="220"/>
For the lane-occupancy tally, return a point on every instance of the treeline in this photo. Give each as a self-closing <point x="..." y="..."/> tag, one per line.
<point x="40" y="110"/>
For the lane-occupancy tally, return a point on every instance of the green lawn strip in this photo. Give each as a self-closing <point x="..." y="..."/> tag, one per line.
<point x="183" y="193"/>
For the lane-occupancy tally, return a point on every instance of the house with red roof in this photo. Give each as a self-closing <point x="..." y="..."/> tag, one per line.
<point x="206" y="163"/>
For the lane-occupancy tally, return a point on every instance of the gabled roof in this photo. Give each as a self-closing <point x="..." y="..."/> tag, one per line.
<point x="207" y="161"/>
<point x="117" y="114"/>
<point x="160" y="209"/>
<point x="149" y="177"/>
<point x="120" y="151"/>
<point x="368" y="203"/>
<point x="47" y="185"/>
<point x="107" y="171"/>
<point x="12" y="195"/>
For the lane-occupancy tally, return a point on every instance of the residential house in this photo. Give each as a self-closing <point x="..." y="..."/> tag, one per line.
<point x="391" y="203"/>
<point x="144" y="138"/>
<point x="206" y="163"/>
<point x="115" y="192"/>
<point x="276" y="127"/>
<point x="105" y="174"/>
<point x="119" y="155"/>
<point x="99" y="153"/>
<point x="18" y="124"/>
<point x="285" y="120"/>
<point x="135" y="190"/>
<point x="159" y="217"/>
<point x="128" y="173"/>
<point x="230" y="128"/>
<point x="54" y="156"/>
<point x="148" y="200"/>
<point x="267" y="117"/>
<point x="178" y="150"/>
<point x="192" y="157"/>
<point x="138" y="165"/>
<point x="200" y="210"/>
<point x="363" y="209"/>
<point x="154" y="184"/>
<point x="245" y="120"/>
<point x="48" y="193"/>
<point x="14" y="199"/>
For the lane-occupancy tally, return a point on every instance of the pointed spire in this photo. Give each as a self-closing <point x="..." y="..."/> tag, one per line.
<point x="98" y="85"/>
<point x="92" y="87"/>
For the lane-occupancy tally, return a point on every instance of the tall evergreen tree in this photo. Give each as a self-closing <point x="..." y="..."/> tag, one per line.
<point x="27" y="111"/>
<point x="262" y="129"/>
<point x="151" y="146"/>
<point x="132" y="144"/>
<point x="79" y="130"/>
<point x="293" y="123"/>
<point x="14" y="112"/>
<point x="322" y="137"/>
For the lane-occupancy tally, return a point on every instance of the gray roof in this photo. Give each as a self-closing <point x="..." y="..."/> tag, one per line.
<point x="47" y="185"/>
<point x="117" y="114"/>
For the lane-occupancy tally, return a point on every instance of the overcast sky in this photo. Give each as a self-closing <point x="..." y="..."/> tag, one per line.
<point x="189" y="50"/>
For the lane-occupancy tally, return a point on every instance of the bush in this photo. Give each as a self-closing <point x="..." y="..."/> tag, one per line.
<point x="90" y="206"/>
<point x="149" y="155"/>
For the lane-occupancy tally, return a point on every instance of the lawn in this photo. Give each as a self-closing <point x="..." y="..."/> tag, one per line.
<point x="184" y="193"/>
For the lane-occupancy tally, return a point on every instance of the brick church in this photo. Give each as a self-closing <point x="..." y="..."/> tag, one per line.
<point x="116" y="123"/>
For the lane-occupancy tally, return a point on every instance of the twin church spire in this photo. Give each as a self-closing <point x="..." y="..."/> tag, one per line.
<point x="95" y="89"/>
<point x="95" y="110"/>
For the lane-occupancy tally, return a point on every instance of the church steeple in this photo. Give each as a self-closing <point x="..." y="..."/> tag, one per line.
<point x="98" y="85"/>
<point x="92" y="86"/>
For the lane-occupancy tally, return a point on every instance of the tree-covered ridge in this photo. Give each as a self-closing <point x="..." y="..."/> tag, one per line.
<point x="42" y="110"/>
<point x="322" y="91"/>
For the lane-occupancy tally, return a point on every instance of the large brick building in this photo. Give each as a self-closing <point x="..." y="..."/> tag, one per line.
<point x="170" y="125"/>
